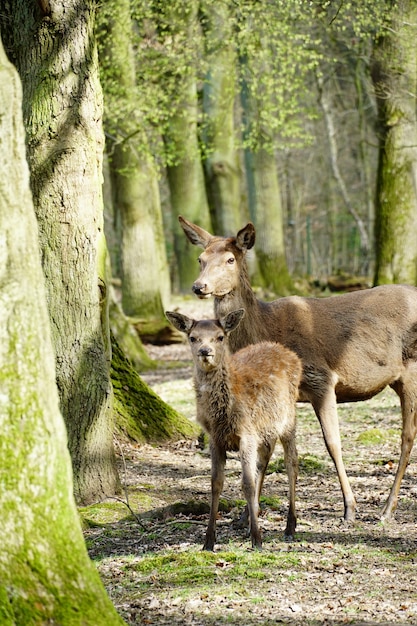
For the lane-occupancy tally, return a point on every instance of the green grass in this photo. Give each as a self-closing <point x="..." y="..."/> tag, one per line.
<point x="183" y="571"/>
<point x="376" y="436"/>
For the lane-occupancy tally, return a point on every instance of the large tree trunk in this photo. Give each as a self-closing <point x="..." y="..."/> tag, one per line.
<point x="222" y="163"/>
<point x="46" y="576"/>
<point x="56" y="58"/>
<point x="395" y="80"/>
<point x="145" y="273"/>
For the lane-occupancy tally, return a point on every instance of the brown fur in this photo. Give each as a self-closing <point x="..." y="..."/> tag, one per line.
<point x="245" y="402"/>
<point x="352" y="346"/>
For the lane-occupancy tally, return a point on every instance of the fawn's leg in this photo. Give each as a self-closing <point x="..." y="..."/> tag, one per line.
<point x="264" y="456"/>
<point x="218" y="462"/>
<point x="291" y="464"/>
<point x="248" y="457"/>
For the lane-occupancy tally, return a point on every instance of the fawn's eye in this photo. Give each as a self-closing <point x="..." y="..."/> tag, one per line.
<point x="220" y="338"/>
<point x="231" y="260"/>
<point x="193" y="339"/>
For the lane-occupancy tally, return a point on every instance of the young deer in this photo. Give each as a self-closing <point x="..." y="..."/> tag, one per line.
<point x="352" y="346"/>
<point x="245" y="402"/>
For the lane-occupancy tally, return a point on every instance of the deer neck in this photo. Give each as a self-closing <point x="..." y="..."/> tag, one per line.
<point x="214" y="398"/>
<point x="241" y="298"/>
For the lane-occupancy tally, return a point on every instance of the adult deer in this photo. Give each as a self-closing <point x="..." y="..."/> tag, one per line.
<point x="352" y="346"/>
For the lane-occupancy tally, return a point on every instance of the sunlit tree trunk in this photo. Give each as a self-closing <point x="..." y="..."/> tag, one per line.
<point x="264" y="196"/>
<point x="144" y="265"/>
<point x="53" y="47"/>
<point x="219" y="90"/>
<point x="46" y="576"/>
<point x="395" y="81"/>
<point x="185" y="175"/>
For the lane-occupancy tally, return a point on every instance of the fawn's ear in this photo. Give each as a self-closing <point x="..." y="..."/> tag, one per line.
<point x="245" y="239"/>
<point x="181" y="322"/>
<point x="232" y="320"/>
<point x="197" y="235"/>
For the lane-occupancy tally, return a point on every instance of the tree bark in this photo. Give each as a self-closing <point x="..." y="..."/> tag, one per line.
<point x="185" y="174"/>
<point x="56" y="58"/>
<point x="222" y="163"/>
<point x="46" y="576"/>
<point x="395" y="82"/>
<point x="264" y="194"/>
<point x="144" y="265"/>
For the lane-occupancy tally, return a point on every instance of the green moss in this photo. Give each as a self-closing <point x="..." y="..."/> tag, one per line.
<point x="307" y="463"/>
<point x="141" y="415"/>
<point x="376" y="436"/>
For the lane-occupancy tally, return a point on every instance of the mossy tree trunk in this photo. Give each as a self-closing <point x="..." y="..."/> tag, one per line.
<point x="268" y="218"/>
<point x="264" y="193"/>
<point x="53" y="47"/>
<point x="222" y="167"/>
<point x="144" y="266"/>
<point x="46" y="576"/>
<point x="185" y="173"/>
<point x="395" y="81"/>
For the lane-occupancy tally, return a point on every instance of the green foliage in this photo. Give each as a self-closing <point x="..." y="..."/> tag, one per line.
<point x="280" y="45"/>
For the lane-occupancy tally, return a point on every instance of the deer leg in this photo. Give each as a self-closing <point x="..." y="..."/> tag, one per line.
<point x="291" y="464"/>
<point x="248" y="457"/>
<point x="325" y="408"/>
<point x="218" y="462"/>
<point x="264" y="456"/>
<point x="262" y="464"/>
<point x="407" y="392"/>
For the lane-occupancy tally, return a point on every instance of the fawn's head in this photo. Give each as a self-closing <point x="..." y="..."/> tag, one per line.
<point x="220" y="263"/>
<point x="207" y="338"/>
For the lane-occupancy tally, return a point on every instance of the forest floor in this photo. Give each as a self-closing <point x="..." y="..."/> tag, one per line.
<point x="148" y="549"/>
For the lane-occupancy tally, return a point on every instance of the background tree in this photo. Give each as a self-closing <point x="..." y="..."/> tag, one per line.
<point x="220" y="137"/>
<point x="45" y="573"/>
<point x="134" y="178"/>
<point x="395" y="80"/>
<point x="180" y="38"/>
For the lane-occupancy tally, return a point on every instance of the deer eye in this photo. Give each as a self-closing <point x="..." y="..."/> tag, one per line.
<point x="231" y="260"/>
<point x="193" y="339"/>
<point x="220" y="338"/>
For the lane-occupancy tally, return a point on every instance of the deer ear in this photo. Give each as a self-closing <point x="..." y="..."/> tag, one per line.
<point x="195" y="234"/>
<point x="245" y="239"/>
<point x="232" y="320"/>
<point x="181" y="322"/>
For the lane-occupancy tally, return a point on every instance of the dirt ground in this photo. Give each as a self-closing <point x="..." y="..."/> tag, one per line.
<point x="333" y="573"/>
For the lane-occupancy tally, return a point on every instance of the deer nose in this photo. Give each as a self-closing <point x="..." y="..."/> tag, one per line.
<point x="198" y="288"/>
<point x="205" y="351"/>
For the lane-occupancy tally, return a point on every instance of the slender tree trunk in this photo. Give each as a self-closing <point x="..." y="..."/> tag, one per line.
<point x="264" y="196"/>
<point x="56" y="58"/>
<point x="186" y="176"/>
<point x="46" y="576"/>
<point x="395" y="81"/>
<point x="144" y="265"/>
<point x="222" y="163"/>
<point x="334" y="161"/>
